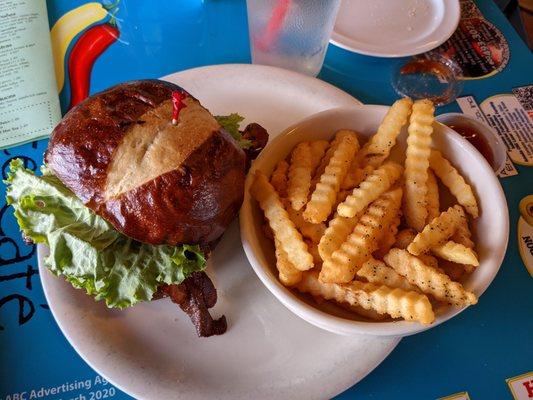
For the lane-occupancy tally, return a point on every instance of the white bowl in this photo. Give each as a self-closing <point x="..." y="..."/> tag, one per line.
<point x="491" y="229"/>
<point x="499" y="151"/>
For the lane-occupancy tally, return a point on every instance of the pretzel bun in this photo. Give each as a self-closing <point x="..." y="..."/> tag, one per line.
<point x="155" y="182"/>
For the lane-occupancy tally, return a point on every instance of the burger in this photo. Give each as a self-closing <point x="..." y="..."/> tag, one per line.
<point x="139" y="183"/>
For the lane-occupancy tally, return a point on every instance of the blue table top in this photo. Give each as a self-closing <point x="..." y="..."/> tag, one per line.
<point x="474" y="352"/>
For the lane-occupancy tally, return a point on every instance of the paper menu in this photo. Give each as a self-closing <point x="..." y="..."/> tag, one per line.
<point x="29" y="103"/>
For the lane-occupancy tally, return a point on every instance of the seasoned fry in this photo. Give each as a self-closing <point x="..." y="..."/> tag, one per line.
<point x="436" y="232"/>
<point x="313" y="250"/>
<point x="375" y="271"/>
<point x="462" y="234"/>
<point x="338" y="230"/>
<point x="453" y="270"/>
<point x="431" y="261"/>
<point x="362" y="242"/>
<point x="300" y="172"/>
<point x="368" y="314"/>
<point x="417" y="163"/>
<point x="388" y="239"/>
<point x="432" y="197"/>
<point x="412" y="306"/>
<point x="311" y="231"/>
<point x="377" y="149"/>
<point x="288" y="274"/>
<point x="339" y="136"/>
<point x="283" y="228"/>
<point x="456" y="252"/>
<point x="279" y="178"/>
<point x="453" y="180"/>
<point x="377" y="183"/>
<point x="341" y="196"/>
<point x="429" y="280"/>
<point x="318" y="149"/>
<point x="355" y="175"/>
<point x="304" y="160"/>
<point x="404" y="238"/>
<point x="308" y="230"/>
<point x="325" y="193"/>
<point x="267" y="230"/>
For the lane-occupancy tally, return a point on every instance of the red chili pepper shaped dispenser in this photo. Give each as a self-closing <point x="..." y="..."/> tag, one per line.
<point x="91" y="44"/>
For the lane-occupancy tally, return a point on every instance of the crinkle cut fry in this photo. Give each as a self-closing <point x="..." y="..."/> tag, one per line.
<point x="308" y="230"/>
<point x="462" y="235"/>
<point x="388" y="239"/>
<point x="363" y="312"/>
<point x="436" y="232"/>
<point x="453" y="180"/>
<point x="417" y="163"/>
<point x="363" y="241"/>
<point x="305" y="158"/>
<point x="376" y="271"/>
<point x="377" y="183"/>
<point x="404" y="238"/>
<point x="278" y="219"/>
<point x="457" y="253"/>
<point x="398" y="303"/>
<point x="377" y="149"/>
<point x="323" y="197"/>
<point x="279" y="178"/>
<point x="355" y="175"/>
<point x="288" y="274"/>
<point x="338" y="230"/>
<point x="318" y="150"/>
<point x="432" y="198"/>
<point x="329" y="153"/>
<point x="300" y="172"/>
<point x="429" y="280"/>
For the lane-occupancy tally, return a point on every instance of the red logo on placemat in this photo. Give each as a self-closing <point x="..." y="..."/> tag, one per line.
<point x="529" y="387"/>
<point x="521" y="386"/>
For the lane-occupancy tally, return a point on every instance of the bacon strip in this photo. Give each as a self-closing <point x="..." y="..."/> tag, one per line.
<point x="258" y="136"/>
<point x="195" y="295"/>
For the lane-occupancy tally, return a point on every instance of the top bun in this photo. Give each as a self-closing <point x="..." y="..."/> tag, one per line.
<point x="155" y="182"/>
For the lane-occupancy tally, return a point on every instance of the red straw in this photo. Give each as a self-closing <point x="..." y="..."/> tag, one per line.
<point x="274" y="25"/>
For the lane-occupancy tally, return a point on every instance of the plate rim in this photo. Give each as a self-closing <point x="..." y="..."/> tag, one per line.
<point x="43" y="249"/>
<point x="266" y="69"/>
<point x="46" y="275"/>
<point x="452" y="12"/>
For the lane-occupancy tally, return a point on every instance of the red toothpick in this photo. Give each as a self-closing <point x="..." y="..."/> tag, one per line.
<point x="177" y="105"/>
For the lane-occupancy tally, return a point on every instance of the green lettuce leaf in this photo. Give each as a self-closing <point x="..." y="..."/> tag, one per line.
<point x="86" y="249"/>
<point x="231" y="124"/>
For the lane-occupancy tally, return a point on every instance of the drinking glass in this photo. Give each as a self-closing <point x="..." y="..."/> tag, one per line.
<point x="292" y="34"/>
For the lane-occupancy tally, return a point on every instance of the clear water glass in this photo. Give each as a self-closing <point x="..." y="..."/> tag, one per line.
<point x="291" y="34"/>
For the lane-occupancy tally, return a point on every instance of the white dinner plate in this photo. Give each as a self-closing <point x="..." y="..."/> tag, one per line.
<point x="394" y="28"/>
<point x="151" y="350"/>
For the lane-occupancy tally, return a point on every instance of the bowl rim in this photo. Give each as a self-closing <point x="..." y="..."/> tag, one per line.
<point x="331" y="322"/>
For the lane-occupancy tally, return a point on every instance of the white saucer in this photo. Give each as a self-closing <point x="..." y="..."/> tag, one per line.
<point x="151" y="351"/>
<point x="394" y="28"/>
